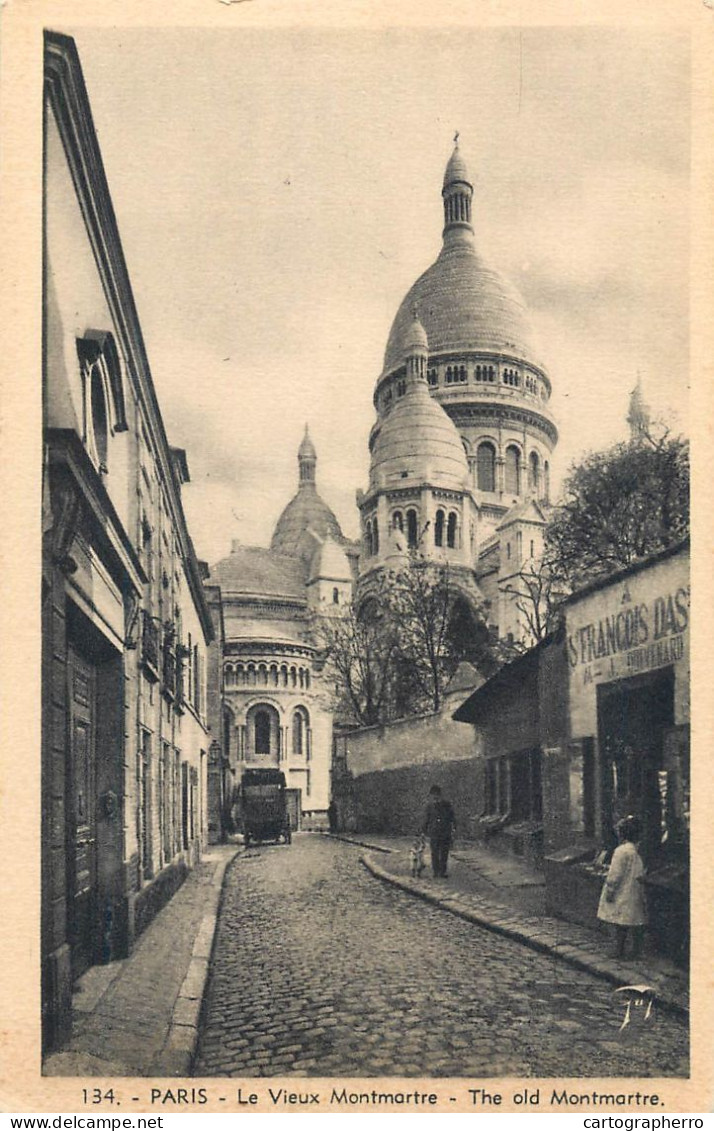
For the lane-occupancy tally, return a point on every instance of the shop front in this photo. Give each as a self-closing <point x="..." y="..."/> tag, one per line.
<point x="520" y="716"/>
<point x="627" y="640"/>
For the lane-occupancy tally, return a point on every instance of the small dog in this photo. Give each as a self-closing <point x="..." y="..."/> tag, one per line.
<point x="416" y="856"/>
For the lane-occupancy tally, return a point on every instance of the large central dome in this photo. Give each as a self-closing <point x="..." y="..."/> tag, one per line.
<point x="463" y="304"/>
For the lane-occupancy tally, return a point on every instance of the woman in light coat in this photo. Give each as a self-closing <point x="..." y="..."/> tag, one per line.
<point x="622" y="902"/>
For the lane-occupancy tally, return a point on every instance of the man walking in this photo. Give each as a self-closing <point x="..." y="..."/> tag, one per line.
<point x="439" y="825"/>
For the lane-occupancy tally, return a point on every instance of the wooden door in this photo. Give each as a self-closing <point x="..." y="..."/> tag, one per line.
<point x="82" y="815"/>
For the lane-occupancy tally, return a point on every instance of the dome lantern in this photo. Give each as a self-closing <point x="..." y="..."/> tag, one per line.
<point x="457" y="193"/>
<point x="307" y="460"/>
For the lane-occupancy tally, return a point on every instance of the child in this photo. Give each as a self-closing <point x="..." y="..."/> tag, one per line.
<point x="416" y="856"/>
<point x="622" y="902"/>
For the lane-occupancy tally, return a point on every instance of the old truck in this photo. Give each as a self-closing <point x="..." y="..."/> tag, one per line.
<point x="262" y="811"/>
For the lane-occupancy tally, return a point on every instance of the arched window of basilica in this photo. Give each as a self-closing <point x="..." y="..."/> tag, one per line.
<point x="534" y="472"/>
<point x="335" y="596"/>
<point x="368" y="538"/>
<point x="439" y="529"/>
<point x="486" y="467"/>
<point x="451" y="530"/>
<point x="298" y="739"/>
<point x="397" y="521"/>
<point x="412" y="529"/>
<point x="261" y="724"/>
<point x="375" y="536"/>
<point x="300" y="731"/>
<point x="546" y="481"/>
<point x="513" y="471"/>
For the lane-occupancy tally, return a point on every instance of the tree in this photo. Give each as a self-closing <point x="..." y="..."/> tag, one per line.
<point x="359" y="654"/>
<point x="538" y="590"/>
<point x="396" y="653"/>
<point x="436" y="624"/>
<point x="619" y="505"/>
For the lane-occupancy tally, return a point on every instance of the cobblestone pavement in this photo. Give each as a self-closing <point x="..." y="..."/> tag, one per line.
<point x="321" y="970"/>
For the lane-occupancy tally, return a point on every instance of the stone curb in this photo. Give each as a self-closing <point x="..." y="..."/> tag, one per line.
<point x="360" y="843"/>
<point x="177" y="1055"/>
<point x="529" y="931"/>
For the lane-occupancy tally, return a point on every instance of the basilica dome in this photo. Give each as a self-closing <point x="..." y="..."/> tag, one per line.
<point x="307" y="519"/>
<point x="306" y="511"/>
<point x="416" y="440"/>
<point x="465" y="306"/>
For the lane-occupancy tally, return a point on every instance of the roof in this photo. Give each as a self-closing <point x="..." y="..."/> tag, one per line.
<point x="330" y="561"/>
<point x="417" y="440"/>
<point x="307" y="448"/>
<point x="528" y="510"/>
<point x="307" y="511"/>
<point x="463" y="305"/>
<point x="456" y="170"/>
<point x="254" y="570"/>
<point x="512" y="674"/>
<point x="250" y="632"/>
<point x="628" y="571"/>
<point x="415" y="337"/>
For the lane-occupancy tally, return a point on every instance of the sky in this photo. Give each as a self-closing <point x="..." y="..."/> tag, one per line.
<point x="278" y="191"/>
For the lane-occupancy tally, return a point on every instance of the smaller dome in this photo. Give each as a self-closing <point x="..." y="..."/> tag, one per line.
<point x="307" y="448"/>
<point x="456" y="170"/>
<point x="305" y="516"/>
<point x="418" y="442"/>
<point x="415" y="339"/>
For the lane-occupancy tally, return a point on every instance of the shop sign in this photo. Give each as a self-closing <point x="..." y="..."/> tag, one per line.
<point x="628" y="640"/>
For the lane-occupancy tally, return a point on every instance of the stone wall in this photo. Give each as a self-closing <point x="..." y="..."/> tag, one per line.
<point x="388" y="771"/>
<point x="393" y="801"/>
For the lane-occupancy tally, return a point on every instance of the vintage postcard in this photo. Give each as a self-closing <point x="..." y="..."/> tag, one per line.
<point x="357" y="413"/>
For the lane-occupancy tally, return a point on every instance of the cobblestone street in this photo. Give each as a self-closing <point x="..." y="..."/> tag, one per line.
<point x="321" y="970"/>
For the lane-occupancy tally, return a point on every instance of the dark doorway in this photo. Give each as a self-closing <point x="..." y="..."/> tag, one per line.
<point x="633" y="716"/>
<point x="526" y="786"/>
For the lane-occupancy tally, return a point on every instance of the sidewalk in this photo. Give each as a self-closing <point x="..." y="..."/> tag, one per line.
<point x="139" y="1016"/>
<point x="506" y="895"/>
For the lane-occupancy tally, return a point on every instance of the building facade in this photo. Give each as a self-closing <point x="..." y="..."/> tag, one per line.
<point x="277" y="707"/>
<point x="468" y="484"/>
<point x="629" y="720"/>
<point x="124" y="618"/>
<point x="590" y="726"/>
